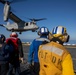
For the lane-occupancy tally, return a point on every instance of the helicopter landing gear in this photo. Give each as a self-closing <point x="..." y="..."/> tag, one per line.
<point x="20" y="33"/>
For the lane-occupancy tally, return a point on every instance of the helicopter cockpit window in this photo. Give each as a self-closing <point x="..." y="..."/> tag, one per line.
<point x="31" y="23"/>
<point x="34" y="23"/>
<point x="26" y="24"/>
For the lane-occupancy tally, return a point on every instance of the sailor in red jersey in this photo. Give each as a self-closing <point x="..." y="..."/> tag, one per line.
<point x="16" y="54"/>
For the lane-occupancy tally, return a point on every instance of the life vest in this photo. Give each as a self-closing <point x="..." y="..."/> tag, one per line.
<point x="51" y="56"/>
<point x="14" y="41"/>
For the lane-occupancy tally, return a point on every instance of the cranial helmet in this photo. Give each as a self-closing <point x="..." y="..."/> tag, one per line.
<point x="61" y="33"/>
<point x="43" y="31"/>
<point x="2" y="38"/>
<point x="13" y="34"/>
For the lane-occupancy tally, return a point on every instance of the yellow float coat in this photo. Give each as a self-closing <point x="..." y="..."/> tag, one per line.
<point x="55" y="60"/>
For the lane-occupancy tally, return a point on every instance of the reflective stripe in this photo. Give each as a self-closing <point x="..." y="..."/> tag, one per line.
<point x="43" y="30"/>
<point x="42" y="39"/>
<point x="0" y="45"/>
<point x="53" y="49"/>
<point x="60" y="30"/>
<point x="0" y="36"/>
<point x="57" y="51"/>
<point x="47" y="48"/>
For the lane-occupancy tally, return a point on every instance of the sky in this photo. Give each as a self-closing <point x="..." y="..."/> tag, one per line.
<point x="57" y="12"/>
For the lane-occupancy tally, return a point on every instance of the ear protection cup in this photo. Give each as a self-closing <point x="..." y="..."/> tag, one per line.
<point x="2" y="37"/>
<point x="68" y="37"/>
<point x="65" y="37"/>
<point x="38" y="32"/>
<point x="48" y="32"/>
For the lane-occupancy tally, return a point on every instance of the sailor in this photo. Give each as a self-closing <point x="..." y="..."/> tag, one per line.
<point x="4" y="55"/>
<point x="54" y="58"/>
<point x="33" y="52"/>
<point x="16" y="54"/>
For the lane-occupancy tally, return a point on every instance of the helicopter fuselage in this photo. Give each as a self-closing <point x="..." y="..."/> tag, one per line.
<point x="21" y="26"/>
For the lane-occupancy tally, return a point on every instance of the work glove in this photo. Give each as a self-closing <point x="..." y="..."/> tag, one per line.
<point x="21" y="60"/>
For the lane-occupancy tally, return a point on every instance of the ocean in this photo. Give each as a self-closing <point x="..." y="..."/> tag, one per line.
<point x="72" y="42"/>
<point x="30" y="40"/>
<point x="27" y="40"/>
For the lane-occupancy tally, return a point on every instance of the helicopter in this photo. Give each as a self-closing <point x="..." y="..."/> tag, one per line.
<point x="19" y="25"/>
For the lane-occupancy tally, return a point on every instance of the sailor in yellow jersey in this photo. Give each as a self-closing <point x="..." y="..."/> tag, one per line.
<point x="54" y="58"/>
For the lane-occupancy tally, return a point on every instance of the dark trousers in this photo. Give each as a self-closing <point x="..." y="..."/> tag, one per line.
<point x="36" y="68"/>
<point x="3" y="69"/>
<point x="15" y="67"/>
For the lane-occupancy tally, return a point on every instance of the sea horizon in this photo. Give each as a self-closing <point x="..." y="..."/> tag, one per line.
<point x="30" y="40"/>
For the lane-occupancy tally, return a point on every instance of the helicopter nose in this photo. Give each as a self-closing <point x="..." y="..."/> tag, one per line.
<point x="38" y="27"/>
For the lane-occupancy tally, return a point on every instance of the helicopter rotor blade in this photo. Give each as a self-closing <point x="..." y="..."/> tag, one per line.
<point x="37" y="19"/>
<point x="12" y="1"/>
<point x="2" y="1"/>
<point x="15" y="1"/>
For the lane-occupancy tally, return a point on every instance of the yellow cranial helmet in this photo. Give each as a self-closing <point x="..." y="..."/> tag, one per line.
<point x="61" y="33"/>
<point x="59" y="30"/>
